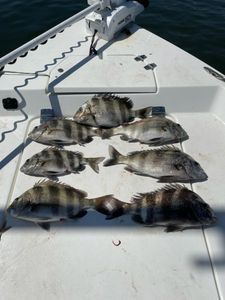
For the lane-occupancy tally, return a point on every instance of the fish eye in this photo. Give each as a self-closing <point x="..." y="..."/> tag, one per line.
<point x="27" y="160"/>
<point x="178" y="125"/>
<point x="196" y="163"/>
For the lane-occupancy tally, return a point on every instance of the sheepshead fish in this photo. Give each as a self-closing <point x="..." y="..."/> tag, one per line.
<point x="107" y="110"/>
<point x="48" y="201"/>
<point x="53" y="161"/>
<point x="168" y="164"/>
<point x="173" y="206"/>
<point x="154" y="131"/>
<point x="60" y="131"/>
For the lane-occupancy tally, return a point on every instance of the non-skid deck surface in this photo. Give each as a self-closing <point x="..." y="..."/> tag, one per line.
<point x="80" y="259"/>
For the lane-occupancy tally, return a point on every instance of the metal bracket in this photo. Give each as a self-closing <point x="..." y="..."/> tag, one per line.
<point x="46" y="114"/>
<point x="140" y="57"/>
<point x="158" y="111"/>
<point x="150" y="66"/>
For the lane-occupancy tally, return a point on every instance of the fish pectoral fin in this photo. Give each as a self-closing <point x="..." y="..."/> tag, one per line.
<point x="172" y="228"/>
<point x="156" y="142"/>
<point x="44" y="225"/>
<point x="133" y="140"/>
<point x="81" y="214"/>
<point x="163" y="179"/>
<point x="129" y="169"/>
<point x="124" y="138"/>
<point x="155" y="139"/>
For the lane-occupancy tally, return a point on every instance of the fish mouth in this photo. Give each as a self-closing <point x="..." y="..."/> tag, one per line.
<point x="213" y="220"/>
<point x="27" y="170"/>
<point x="199" y="178"/>
<point x="209" y="222"/>
<point x="181" y="136"/>
<point x="184" y="137"/>
<point x="23" y="169"/>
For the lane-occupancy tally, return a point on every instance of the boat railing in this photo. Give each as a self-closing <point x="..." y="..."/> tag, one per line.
<point x="42" y="39"/>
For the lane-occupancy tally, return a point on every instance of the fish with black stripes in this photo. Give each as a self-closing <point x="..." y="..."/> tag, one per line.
<point x="48" y="201"/>
<point x="61" y="131"/>
<point x="108" y="110"/>
<point x="174" y="206"/>
<point x="53" y="162"/>
<point x="154" y="131"/>
<point x="167" y="164"/>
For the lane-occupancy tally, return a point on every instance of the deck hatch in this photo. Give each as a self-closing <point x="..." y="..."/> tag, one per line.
<point x="109" y="73"/>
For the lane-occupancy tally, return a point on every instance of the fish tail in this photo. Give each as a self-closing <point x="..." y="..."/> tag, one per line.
<point x="88" y="203"/>
<point x="105" y="133"/>
<point x="110" y="206"/>
<point x="93" y="163"/>
<point x="115" y="157"/>
<point x="143" y="112"/>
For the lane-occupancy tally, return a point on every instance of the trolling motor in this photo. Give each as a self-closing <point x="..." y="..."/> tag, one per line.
<point x="112" y="16"/>
<point x="103" y="17"/>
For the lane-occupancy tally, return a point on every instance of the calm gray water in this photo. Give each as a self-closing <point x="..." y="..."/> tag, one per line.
<point x="196" y="26"/>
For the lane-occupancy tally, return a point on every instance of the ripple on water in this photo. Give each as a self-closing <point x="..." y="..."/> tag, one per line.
<point x="196" y="26"/>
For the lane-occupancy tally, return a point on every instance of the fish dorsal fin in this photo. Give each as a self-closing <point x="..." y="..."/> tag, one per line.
<point x="168" y="187"/>
<point x="52" y="148"/>
<point x="111" y="97"/>
<point x="46" y="182"/>
<point x="82" y="193"/>
<point x="168" y="148"/>
<point x="172" y="186"/>
<point x="140" y="151"/>
<point x="137" y="197"/>
<point x="43" y="182"/>
<point x="63" y="150"/>
<point x="160" y="149"/>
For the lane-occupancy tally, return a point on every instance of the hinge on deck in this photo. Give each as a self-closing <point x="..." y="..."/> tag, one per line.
<point x="140" y="57"/>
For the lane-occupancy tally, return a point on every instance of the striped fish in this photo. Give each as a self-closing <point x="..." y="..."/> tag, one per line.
<point x="107" y="110"/>
<point x="173" y="206"/>
<point x="60" y="131"/>
<point x="168" y="164"/>
<point x="154" y="131"/>
<point x="52" y="162"/>
<point x="48" y="201"/>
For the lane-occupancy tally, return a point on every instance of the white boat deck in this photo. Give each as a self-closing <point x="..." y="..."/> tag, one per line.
<point x="77" y="259"/>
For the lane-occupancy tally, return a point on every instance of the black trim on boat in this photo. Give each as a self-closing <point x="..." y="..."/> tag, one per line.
<point x="215" y="74"/>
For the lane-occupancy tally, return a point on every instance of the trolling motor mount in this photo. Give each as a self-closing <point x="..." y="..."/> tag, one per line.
<point x="113" y="16"/>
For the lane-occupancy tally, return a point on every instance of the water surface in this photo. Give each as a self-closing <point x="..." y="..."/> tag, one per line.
<point x="196" y="26"/>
